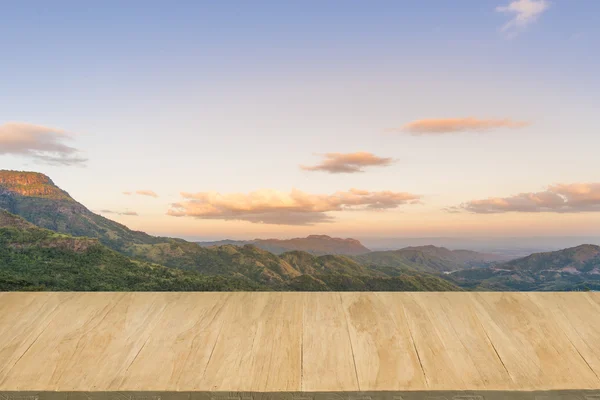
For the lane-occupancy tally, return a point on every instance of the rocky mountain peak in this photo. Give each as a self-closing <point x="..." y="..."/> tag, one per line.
<point x="30" y="184"/>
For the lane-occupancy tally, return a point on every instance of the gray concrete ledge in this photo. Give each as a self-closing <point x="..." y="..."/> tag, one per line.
<point x="379" y="395"/>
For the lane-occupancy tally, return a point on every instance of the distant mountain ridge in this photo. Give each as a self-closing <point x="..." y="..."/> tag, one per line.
<point x="429" y="258"/>
<point x="313" y="244"/>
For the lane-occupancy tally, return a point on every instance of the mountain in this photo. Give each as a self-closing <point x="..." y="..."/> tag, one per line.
<point x="510" y="247"/>
<point x="574" y="268"/>
<point x="37" y="199"/>
<point x="307" y="263"/>
<point x="33" y="258"/>
<point x="427" y="259"/>
<point x="313" y="244"/>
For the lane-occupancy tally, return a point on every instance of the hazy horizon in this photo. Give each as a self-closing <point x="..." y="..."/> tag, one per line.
<point x="389" y="120"/>
<point x="517" y="246"/>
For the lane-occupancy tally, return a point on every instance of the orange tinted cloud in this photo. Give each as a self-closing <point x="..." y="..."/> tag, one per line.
<point x="560" y="198"/>
<point x="149" y="193"/>
<point x="454" y="125"/>
<point x="40" y="143"/>
<point x="336" y="163"/>
<point x="294" y="208"/>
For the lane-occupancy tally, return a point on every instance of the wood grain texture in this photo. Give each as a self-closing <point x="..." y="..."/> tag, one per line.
<point x="453" y="346"/>
<point x="531" y="344"/>
<point x="574" y="315"/>
<point x="327" y="355"/>
<point x="438" y="362"/>
<point x="104" y="353"/>
<point x="40" y="367"/>
<point x="259" y="346"/>
<point x="23" y="318"/>
<point x="290" y="342"/>
<point x="383" y="349"/>
<point x="180" y="342"/>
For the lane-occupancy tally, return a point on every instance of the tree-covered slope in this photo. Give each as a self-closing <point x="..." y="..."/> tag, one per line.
<point x="32" y="258"/>
<point x="575" y="268"/>
<point x="427" y="259"/>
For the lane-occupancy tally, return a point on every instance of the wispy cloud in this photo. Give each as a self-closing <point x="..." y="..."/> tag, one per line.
<point x="149" y="193"/>
<point x="560" y="198"/>
<point x="523" y="12"/>
<point x="337" y="163"/>
<point x="129" y="213"/>
<point x="42" y="144"/>
<point x="294" y="208"/>
<point x="441" y="126"/>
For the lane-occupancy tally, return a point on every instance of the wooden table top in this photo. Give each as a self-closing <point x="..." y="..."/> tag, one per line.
<point x="299" y="342"/>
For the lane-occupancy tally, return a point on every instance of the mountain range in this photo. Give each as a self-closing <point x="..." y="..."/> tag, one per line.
<point x="49" y="241"/>
<point x="313" y="244"/>
<point x="429" y="259"/>
<point x="575" y="268"/>
<point x="36" y="199"/>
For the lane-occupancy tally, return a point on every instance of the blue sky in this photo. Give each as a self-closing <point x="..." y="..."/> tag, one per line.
<point x="232" y="97"/>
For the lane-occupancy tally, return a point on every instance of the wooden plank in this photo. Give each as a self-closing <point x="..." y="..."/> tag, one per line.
<point x="440" y="365"/>
<point x="259" y="347"/>
<point x="290" y="342"/>
<point x="328" y="360"/>
<point x="23" y="317"/>
<point x="383" y="350"/>
<point x="578" y="316"/>
<point x="457" y="332"/>
<point x="594" y="296"/>
<point x="535" y="351"/>
<point x="104" y="353"/>
<point x="180" y="345"/>
<point x="41" y="366"/>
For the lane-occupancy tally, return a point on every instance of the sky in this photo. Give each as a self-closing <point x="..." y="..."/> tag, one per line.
<point x="236" y="119"/>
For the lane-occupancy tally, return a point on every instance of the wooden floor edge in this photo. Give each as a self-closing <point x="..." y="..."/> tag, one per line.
<point x="378" y="395"/>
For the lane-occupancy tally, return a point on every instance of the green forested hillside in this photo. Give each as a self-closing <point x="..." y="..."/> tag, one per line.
<point x="32" y="258"/>
<point x="575" y="268"/>
<point x="427" y="258"/>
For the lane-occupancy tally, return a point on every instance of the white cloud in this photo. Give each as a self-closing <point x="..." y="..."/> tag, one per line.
<point x="524" y="12"/>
